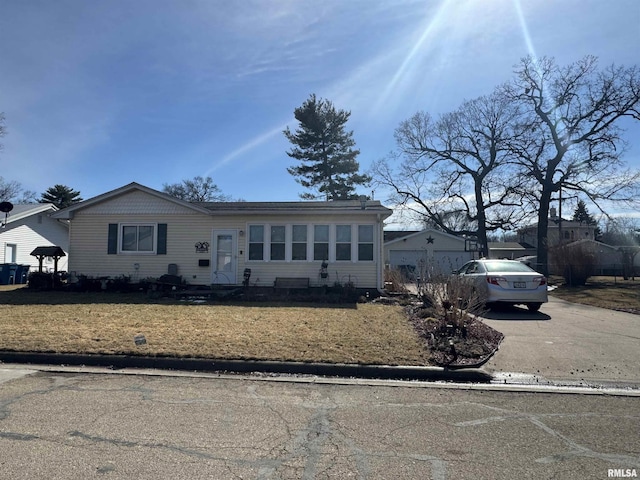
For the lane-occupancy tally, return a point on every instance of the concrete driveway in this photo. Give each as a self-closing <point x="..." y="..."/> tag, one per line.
<point x="568" y="341"/>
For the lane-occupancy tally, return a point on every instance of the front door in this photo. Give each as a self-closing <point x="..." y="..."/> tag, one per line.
<point x="224" y="257"/>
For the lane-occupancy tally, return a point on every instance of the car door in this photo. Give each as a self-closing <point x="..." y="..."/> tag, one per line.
<point x="475" y="273"/>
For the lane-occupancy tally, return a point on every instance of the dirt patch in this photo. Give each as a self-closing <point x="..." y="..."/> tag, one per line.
<point x="470" y="344"/>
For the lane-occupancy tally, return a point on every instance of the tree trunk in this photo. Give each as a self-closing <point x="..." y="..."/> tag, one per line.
<point x="543" y="227"/>
<point x="482" y="222"/>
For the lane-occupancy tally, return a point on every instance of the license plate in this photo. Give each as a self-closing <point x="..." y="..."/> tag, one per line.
<point x="519" y="284"/>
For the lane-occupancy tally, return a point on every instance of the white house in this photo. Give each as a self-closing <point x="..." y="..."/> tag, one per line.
<point x="27" y="227"/>
<point x="140" y="232"/>
<point x="430" y="249"/>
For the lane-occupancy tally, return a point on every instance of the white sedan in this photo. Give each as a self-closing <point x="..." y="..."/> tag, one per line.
<point x="507" y="282"/>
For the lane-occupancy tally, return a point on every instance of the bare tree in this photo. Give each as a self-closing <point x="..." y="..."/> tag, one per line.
<point x="3" y="128"/>
<point x="197" y="190"/>
<point x="455" y="170"/>
<point x="573" y="139"/>
<point x="12" y="191"/>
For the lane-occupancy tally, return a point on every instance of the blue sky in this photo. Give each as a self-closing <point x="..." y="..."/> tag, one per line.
<point x="98" y="94"/>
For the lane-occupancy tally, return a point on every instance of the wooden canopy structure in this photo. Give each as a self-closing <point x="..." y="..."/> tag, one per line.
<point x="50" y="251"/>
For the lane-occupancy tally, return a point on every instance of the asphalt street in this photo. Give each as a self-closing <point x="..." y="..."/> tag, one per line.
<point x="56" y="425"/>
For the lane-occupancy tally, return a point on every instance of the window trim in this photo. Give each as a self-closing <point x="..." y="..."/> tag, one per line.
<point x="263" y="242"/>
<point x="154" y="248"/>
<point x="284" y="243"/>
<point x="350" y="243"/>
<point x="306" y="242"/>
<point x="372" y="242"/>
<point x="314" y="242"/>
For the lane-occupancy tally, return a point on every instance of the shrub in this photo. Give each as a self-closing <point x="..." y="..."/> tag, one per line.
<point x="575" y="262"/>
<point x="451" y="298"/>
<point x="394" y="281"/>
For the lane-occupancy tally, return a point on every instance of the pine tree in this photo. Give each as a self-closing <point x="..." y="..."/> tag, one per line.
<point x="325" y="148"/>
<point x="61" y="196"/>
<point x="581" y="214"/>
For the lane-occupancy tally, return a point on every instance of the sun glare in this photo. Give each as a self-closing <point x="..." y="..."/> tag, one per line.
<point x="431" y="23"/>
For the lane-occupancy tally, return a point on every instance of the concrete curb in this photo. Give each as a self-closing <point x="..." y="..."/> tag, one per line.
<point x="386" y="372"/>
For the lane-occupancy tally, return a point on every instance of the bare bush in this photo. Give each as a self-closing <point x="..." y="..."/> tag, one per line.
<point x="394" y="281"/>
<point x="452" y="298"/>
<point x="575" y="262"/>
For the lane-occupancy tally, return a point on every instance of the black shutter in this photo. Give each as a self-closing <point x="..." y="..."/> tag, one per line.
<point x="162" y="239"/>
<point x="112" y="242"/>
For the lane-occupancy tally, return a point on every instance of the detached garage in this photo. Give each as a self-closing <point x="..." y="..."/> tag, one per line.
<point x="429" y="250"/>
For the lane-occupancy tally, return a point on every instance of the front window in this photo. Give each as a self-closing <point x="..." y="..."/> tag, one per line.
<point x="343" y="242"/>
<point x="321" y="242"/>
<point x="299" y="242"/>
<point x="256" y="242"/>
<point x="277" y="242"/>
<point x="365" y="243"/>
<point x="138" y="238"/>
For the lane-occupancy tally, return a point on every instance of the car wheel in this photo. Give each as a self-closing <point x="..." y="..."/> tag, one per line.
<point x="534" y="307"/>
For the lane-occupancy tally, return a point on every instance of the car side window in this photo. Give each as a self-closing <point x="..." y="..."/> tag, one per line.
<point x="473" y="268"/>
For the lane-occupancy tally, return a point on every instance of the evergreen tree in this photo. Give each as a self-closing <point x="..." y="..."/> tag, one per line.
<point x="61" y="196"/>
<point x="581" y="214"/>
<point x="325" y="148"/>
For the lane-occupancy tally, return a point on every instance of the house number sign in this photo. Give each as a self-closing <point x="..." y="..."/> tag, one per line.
<point x="202" y="247"/>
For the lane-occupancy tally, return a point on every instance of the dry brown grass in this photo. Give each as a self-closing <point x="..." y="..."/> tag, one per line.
<point x="107" y="323"/>
<point x="606" y="292"/>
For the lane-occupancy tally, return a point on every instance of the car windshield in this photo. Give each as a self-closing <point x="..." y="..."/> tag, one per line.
<point x="507" y="266"/>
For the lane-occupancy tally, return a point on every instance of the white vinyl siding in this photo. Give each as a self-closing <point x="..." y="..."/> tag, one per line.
<point x="88" y="250"/>
<point x="31" y="232"/>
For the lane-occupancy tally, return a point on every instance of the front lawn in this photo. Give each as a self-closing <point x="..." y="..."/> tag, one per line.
<point x="613" y="293"/>
<point x="107" y="323"/>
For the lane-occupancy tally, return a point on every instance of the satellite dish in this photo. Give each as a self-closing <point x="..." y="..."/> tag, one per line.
<point x="6" y="207"/>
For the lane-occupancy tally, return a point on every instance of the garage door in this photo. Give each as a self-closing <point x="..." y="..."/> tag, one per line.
<point x="443" y="261"/>
<point x="446" y="262"/>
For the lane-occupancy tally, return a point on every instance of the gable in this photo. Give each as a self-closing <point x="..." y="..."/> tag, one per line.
<point x="427" y="239"/>
<point x="136" y="202"/>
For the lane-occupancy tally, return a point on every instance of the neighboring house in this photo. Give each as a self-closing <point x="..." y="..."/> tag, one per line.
<point x="428" y="250"/>
<point x="608" y="258"/>
<point x="569" y="230"/>
<point x="510" y="250"/>
<point x="29" y="226"/>
<point x="141" y="233"/>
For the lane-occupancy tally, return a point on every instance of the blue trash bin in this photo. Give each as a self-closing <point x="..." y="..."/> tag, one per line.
<point x="22" y="274"/>
<point x="8" y="273"/>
